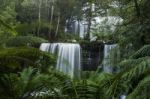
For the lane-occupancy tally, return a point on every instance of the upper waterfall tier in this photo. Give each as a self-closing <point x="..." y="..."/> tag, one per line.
<point x="68" y="57"/>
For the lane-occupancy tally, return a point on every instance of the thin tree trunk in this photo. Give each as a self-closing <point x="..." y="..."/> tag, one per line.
<point x="89" y="29"/>
<point x="79" y="28"/>
<point x="47" y="8"/>
<point x="57" y="28"/>
<point x="138" y="13"/>
<point x="51" y="19"/>
<point x="89" y="23"/>
<point x="39" y="18"/>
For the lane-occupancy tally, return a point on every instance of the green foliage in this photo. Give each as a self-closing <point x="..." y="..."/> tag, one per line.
<point x="130" y="63"/>
<point x="31" y="84"/>
<point x="89" y="87"/>
<point x="142" y="88"/>
<point x="133" y="72"/>
<point x="14" y="59"/>
<point x="22" y="41"/>
<point x="7" y="20"/>
<point x="143" y="52"/>
<point x="6" y="31"/>
<point x="135" y="27"/>
<point x="82" y="90"/>
<point x="25" y="29"/>
<point x="132" y="79"/>
<point x="19" y="81"/>
<point x="8" y="27"/>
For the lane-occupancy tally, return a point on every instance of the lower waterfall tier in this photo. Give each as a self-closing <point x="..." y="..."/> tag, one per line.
<point x="68" y="54"/>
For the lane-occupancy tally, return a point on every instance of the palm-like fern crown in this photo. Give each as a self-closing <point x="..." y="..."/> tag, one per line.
<point x="133" y="78"/>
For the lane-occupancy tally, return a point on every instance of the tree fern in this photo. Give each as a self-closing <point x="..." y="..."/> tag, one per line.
<point x="132" y="71"/>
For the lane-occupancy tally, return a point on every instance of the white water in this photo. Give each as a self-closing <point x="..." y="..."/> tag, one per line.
<point x="44" y="47"/>
<point x="107" y="59"/>
<point x="68" y="60"/>
<point x="123" y="97"/>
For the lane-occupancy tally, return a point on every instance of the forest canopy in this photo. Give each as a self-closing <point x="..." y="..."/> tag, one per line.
<point x="49" y="18"/>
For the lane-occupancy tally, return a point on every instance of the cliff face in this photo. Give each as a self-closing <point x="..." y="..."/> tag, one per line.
<point x="92" y="56"/>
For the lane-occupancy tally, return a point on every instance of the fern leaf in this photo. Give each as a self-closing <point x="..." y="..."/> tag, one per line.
<point x="143" y="52"/>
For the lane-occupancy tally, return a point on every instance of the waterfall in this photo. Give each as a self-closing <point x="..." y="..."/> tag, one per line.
<point x="44" y="47"/>
<point x="107" y="65"/>
<point x="68" y="54"/>
<point x="122" y="97"/>
<point x="76" y="27"/>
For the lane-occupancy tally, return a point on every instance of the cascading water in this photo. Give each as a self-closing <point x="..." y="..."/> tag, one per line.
<point x="68" y="60"/>
<point x="122" y="97"/>
<point x="107" y="65"/>
<point x="107" y="62"/>
<point x="44" y="47"/>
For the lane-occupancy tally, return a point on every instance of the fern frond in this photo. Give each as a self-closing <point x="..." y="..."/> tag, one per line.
<point x="125" y="80"/>
<point x="143" y="52"/>
<point x="130" y="63"/>
<point x="135" y="73"/>
<point x="82" y="89"/>
<point x="31" y="84"/>
<point x="142" y="90"/>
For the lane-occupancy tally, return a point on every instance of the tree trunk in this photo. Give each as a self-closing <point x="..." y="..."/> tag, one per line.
<point x="89" y="23"/>
<point x="138" y="13"/>
<point x="88" y="29"/>
<point x="57" y="28"/>
<point x="79" y="28"/>
<point x="39" y="18"/>
<point x="51" y="19"/>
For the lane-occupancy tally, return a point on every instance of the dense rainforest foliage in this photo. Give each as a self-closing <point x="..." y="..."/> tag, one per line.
<point x="28" y="73"/>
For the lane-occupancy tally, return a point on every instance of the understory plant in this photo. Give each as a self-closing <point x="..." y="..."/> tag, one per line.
<point x="32" y="82"/>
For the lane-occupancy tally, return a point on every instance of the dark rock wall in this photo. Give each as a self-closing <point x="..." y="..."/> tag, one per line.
<point x="92" y="55"/>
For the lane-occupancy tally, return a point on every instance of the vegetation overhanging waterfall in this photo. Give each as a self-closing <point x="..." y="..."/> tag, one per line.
<point x="68" y="57"/>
